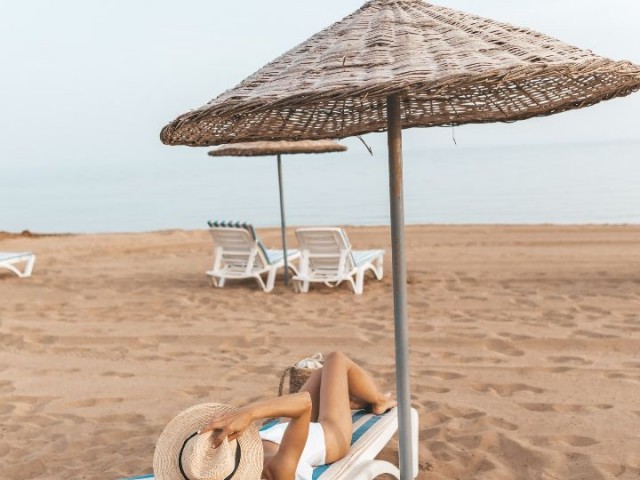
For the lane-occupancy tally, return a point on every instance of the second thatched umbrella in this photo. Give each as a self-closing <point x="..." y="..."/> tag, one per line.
<point x="283" y="147"/>
<point x="396" y="64"/>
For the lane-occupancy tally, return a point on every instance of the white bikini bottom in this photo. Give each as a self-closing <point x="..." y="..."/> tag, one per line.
<point x="314" y="453"/>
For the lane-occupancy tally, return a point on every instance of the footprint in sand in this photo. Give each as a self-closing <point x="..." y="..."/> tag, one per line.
<point x="69" y="418"/>
<point x="499" y="423"/>
<point x="623" y="376"/>
<point x="92" y="402"/>
<point x="463" y="320"/>
<point x="596" y="335"/>
<point x="202" y="391"/>
<point x="523" y="302"/>
<point x="473" y="297"/>
<point x="563" y="407"/>
<point x="442" y="451"/>
<point x="502" y="347"/>
<point x="513" y="336"/>
<point x="591" y="309"/>
<point x="436" y="418"/>
<point x="578" y="441"/>
<point x="557" y="369"/>
<point x="6" y="386"/>
<point x="117" y="374"/>
<point x="570" y="359"/>
<point x="452" y="357"/>
<point x="466" y="278"/>
<point x="560" y="298"/>
<point x="539" y="407"/>
<point x="126" y="419"/>
<point x="506" y="390"/>
<point x="434" y="389"/>
<point x="441" y="375"/>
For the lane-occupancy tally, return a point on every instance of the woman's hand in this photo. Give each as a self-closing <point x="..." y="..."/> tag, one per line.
<point x="232" y="425"/>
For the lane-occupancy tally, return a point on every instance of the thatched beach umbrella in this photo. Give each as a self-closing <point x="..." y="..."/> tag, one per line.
<point x="396" y="64"/>
<point x="283" y="147"/>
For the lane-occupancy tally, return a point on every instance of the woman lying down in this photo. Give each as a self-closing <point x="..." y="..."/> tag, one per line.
<point x="219" y="442"/>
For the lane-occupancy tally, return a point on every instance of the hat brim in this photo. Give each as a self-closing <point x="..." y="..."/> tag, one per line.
<point x="165" y="458"/>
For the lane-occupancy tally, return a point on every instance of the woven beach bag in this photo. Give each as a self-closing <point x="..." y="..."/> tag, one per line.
<point x="299" y="373"/>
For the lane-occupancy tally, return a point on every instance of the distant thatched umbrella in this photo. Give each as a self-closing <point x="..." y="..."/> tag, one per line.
<point x="396" y="64"/>
<point x="260" y="149"/>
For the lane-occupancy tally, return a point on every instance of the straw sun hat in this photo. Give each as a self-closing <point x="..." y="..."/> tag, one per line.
<point x="182" y="454"/>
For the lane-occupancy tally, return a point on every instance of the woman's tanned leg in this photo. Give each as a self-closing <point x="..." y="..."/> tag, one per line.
<point x="335" y="410"/>
<point x="312" y="385"/>
<point x="342" y="378"/>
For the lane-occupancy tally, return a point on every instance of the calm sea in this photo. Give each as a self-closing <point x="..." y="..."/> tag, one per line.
<point x="595" y="183"/>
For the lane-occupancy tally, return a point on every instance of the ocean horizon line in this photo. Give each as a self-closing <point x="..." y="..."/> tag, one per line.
<point x="37" y="234"/>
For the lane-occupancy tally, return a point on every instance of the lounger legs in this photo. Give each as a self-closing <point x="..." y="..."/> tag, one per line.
<point x="218" y="276"/>
<point x="12" y="269"/>
<point x="271" y="280"/>
<point x="372" y="469"/>
<point x="377" y="269"/>
<point x="358" y="285"/>
<point x="28" y="268"/>
<point x="301" y="286"/>
<point x="218" y="282"/>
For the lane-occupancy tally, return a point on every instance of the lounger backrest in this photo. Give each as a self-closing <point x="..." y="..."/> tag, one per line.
<point x="325" y="249"/>
<point x="237" y="248"/>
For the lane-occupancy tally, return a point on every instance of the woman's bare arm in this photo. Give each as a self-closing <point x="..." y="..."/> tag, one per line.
<point x="233" y="424"/>
<point x="296" y="407"/>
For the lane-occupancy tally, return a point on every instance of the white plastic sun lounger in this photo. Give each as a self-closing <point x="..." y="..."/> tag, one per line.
<point x="11" y="260"/>
<point x="371" y="433"/>
<point x="327" y="257"/>
<point x="238" y="254"/>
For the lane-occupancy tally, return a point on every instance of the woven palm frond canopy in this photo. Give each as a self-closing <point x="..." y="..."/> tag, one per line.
<point x="448" y="67"/>
<point x="283" y="147"/>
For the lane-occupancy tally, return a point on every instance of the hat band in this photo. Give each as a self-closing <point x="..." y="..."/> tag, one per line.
<point x="229" y="477"/>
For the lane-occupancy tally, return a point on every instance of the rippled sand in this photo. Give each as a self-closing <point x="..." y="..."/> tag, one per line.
<point x="525" y="348"/>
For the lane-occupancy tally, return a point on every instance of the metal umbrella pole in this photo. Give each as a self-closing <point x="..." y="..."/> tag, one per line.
<point x="401" y="321"/>
<point x="283" y="224"/>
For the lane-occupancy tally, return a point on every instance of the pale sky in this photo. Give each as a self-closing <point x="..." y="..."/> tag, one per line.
<point x="94" y="81"/>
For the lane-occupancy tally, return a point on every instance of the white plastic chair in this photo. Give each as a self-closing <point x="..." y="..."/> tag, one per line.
<point x="327" y="257"/>
<point x="371" y="433"/>
<point x="238" y="255"/>
<point x="11" y="260"/>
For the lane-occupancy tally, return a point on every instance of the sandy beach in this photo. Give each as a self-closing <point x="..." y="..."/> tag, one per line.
<point x="525" y="347"/>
